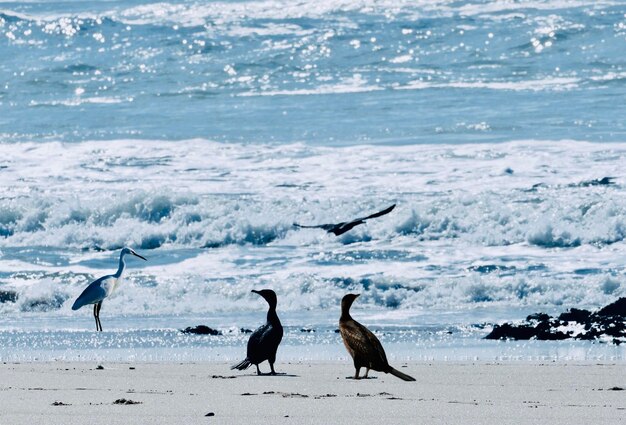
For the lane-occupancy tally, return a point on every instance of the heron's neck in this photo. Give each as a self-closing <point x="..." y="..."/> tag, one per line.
<point x="120" y="268"/>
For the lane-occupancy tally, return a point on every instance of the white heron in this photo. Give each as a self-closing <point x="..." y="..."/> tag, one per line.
<point x="101" y="288"/>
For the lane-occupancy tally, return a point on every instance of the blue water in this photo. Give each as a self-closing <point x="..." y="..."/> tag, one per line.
<point x="329" y="73"/>
<point x="199" y="132"/>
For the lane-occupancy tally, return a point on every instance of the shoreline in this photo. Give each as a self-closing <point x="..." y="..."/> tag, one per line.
<point x="311" y="392"/>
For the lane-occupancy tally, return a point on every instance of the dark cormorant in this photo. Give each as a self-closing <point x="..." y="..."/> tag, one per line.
<point x="264" y="342"/>
<point x="343" y="227"/>
<point x="362" y="344"/>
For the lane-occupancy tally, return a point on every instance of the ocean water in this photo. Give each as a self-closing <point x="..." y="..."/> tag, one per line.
<point x="199" y="132"/>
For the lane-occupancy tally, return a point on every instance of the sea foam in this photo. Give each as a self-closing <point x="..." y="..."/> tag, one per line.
<point x="519" y="224"/>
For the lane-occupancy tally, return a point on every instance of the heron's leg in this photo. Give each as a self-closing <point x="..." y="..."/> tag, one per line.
<point x="258" y="371"/>
<point x="95" y="316"/>
<point x="98" y="307"/>
<point x="273" y="372"/>
<point x="100" y="321"/>
<point x="356" y="374"/>
<point x="367" y="370"/>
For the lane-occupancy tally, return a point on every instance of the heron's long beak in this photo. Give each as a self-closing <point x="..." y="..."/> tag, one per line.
<point x="137" y="255"/>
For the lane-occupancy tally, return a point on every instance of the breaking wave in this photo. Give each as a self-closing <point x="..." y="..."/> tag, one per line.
<point x="111" y="209"/>
<point x="506" y="225"/>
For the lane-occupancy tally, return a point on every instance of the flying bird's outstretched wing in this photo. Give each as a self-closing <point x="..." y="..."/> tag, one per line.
<point x="343" y="227"/>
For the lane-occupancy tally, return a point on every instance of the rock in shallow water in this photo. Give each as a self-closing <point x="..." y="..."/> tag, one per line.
<point x="609" y="323"/>
<point x="8" y="296"/>
<point x="201" y="330"/>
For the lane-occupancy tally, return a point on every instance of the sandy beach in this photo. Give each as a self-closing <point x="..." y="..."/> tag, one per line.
<point x="318" y="393"/>
<point x="198" y="170"/>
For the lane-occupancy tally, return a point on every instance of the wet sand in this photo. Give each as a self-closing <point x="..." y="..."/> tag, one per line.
<point x="317" y="393"/>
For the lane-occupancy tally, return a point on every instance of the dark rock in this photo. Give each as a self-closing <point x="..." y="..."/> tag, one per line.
<point x="547" y="335"/>
<point x="615" y="329"/>
<point x="575" y="315"/>
<point x="245" y="331"/>
<point x="609" y="321"/>
<point x="616" y="309"/>
<point x="307" y="330"/>
<point x="60" y="403"/>
<point x="99" y="367"/>
<point x="210" y="414"/>
<point x="540" y="317"/>
<point x="508" y="331"/>
<point x="201" y="330"/>
<point x="8" y="296"/>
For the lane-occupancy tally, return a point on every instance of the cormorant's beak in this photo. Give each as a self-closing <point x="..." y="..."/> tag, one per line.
<point x="356" y="296"/>
<point x="137" y="255"/>
<point x="255" y="291"/>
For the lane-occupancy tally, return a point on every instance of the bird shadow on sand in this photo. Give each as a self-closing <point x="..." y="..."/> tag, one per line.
<point x="361" y="378"/>
<point x="285" y="375"/>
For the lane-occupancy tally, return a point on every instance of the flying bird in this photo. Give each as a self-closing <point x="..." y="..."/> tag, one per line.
<point x="343" y="227"/>
<point x="365" y="349"/>
<point x="263" y="342"/>
<point x="101" y="288"/>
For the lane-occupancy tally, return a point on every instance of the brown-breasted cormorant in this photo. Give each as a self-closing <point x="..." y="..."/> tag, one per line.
<point x="362" y="344"/>
<point x="263" y="342"/>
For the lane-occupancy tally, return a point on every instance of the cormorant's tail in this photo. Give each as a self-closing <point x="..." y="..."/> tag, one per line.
<point x="401" y="375"/>
<point x="242" y="365"/>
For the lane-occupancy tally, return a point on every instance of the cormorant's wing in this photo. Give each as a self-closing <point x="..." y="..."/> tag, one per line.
<point x="353" y="338"/>
<point x="378" y="214"/>
<point x="364" y="344"/>
<point x="344" y="226"/>
<point x="263" y="342"/>
<point x="376" y="347"/>
<point x="326" y="227"/>
<point x="257" y="336"/>
<point x="263" y="335"/>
